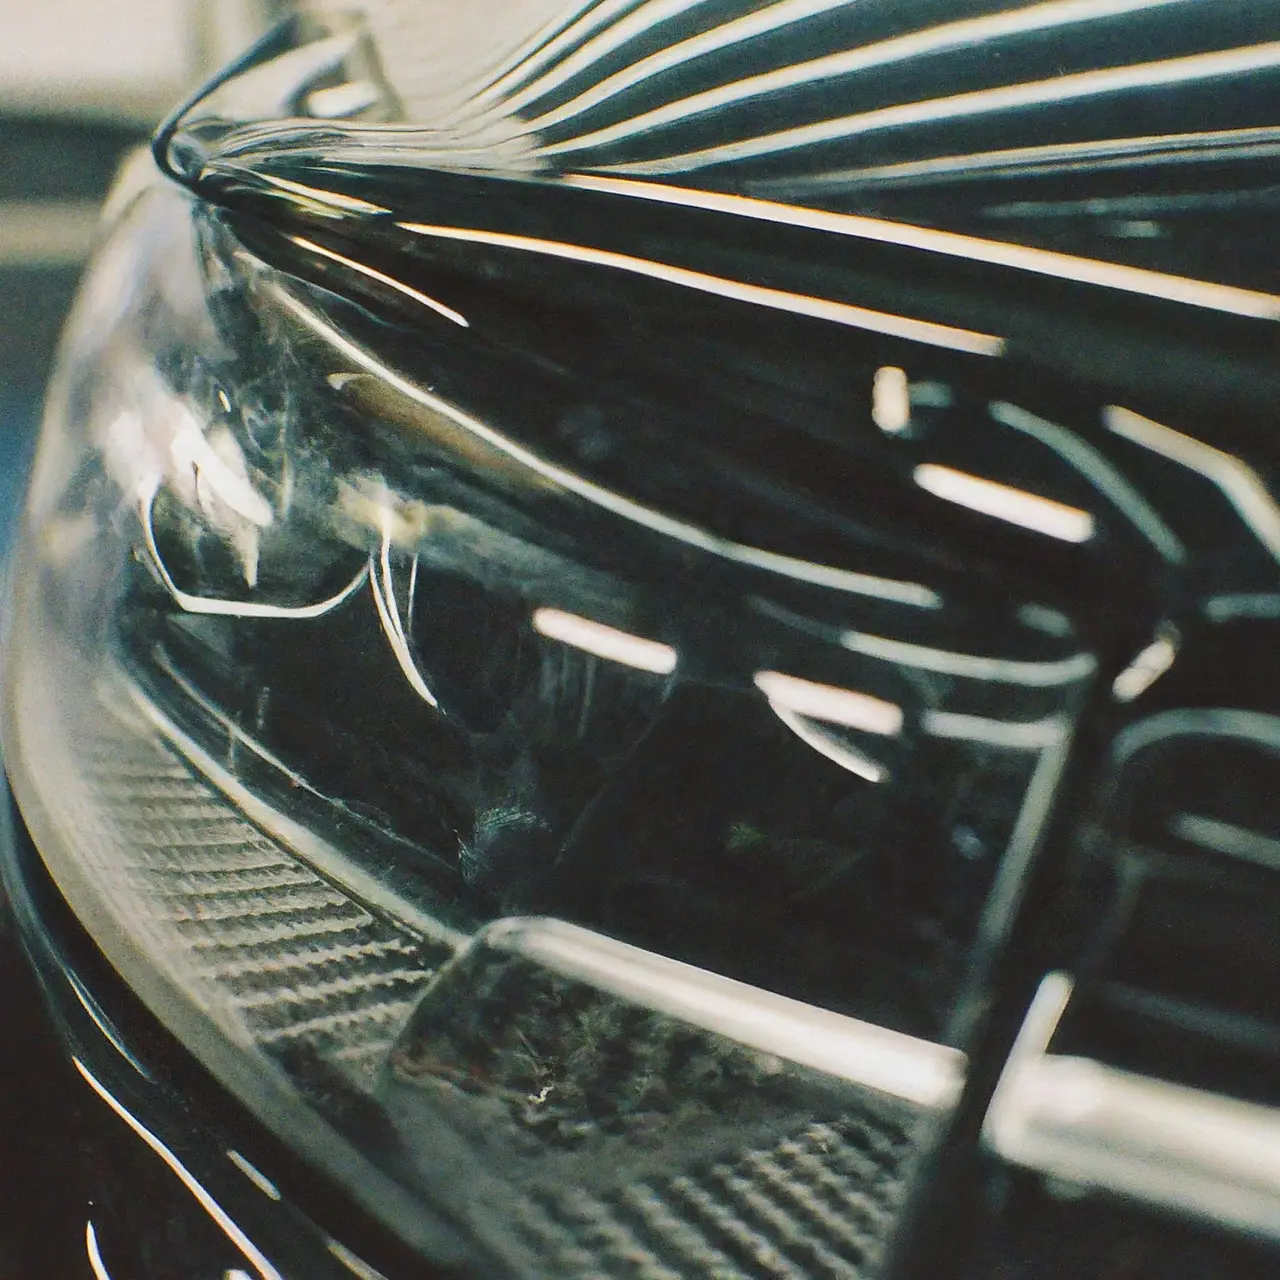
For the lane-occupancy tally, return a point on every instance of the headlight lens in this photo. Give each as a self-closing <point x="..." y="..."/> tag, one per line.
<point x="602" y="887"/>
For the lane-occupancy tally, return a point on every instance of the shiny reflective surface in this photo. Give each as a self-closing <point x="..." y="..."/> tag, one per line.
<point x="571" y="679"/>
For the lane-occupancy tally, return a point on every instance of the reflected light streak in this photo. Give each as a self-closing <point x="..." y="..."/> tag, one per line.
<point x="1025" y="736"/>
<point x="1035" y="675"/>
<point x="215" y="1211"/>
<point x="96" y="1265"/>
<point x="255" y="1175"/>
<point x="330" y="203"/>
<point x="908" y="593"/>
<point x="726" y="35"/>
<point x="390" y="281"/>
<point x="926" y="331"/>
<point x="99" y="1019"/>
<point x="641" y="19"/>
<point x="918" y="44"/>
<point x="831" y="748"/>
<point x="1149" y="149"/>
<point x="1046" y="262"/>
<point x="234" y="608"/>
<point x="1100" y="473"/>
<point x="1014" y="506"/>
<point x="343" y="99"/>
<point x="1228" y="838"/>
<point x="1197" y="722"/>
<point x="542" y="49"/>
<point x="830" y="704"/>
<point x="353" y="1263"/>
<point x="891" y="400"/>
<point x="191" y="451"/>
<point x="384" y="600"/>
<point x="605" y="642"/>
<point x="1228" y="608"/>
<point x="915" y="1070"/>
<point x="1149" y="665"/>
<point x="1240" y="483"/>
<point x="1144" y="1138"/>
<point x="1053" y="92"/>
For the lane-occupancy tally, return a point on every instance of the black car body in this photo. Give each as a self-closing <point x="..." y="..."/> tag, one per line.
<point x="641" y="647"/>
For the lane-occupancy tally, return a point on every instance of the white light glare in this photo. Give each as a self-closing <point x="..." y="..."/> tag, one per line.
<point x="1238" y="482"/>
<point x="96" y="1265"/>
<point x="1027" y="510"/>
<point x="918" y="1071"/>
<point x="830" y="704"/>
<point x="891" y="400"/>
<point x="605" y="642"/>
<point x="1146" y="668"/>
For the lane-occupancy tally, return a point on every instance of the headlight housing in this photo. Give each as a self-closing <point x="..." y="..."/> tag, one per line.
<point x="579" y="828"/>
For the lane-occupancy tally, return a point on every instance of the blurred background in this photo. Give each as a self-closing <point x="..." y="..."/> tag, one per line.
<point x="81" y="83"/>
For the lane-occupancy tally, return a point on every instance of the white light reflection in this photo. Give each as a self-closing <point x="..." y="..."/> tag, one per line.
<point x="965" y="34"/>
<point x="329" y="203"/>
<point x="343" y="99"/>
<point x="193" y="452"/>
<point x="255" y="1175"/>
<point x="547" y="44"/>
<point x="1035" y="675"/>
<point x="1108" y="153"/>
<point x="1052" y="92"/>
<point x="1197" y="722"/>
<point x="1240" y="483"/>
<point x="830" y="704"/>
<point x="1032" y="735"/>
<point x="390" y="281"/>
<point x="628" y="27"/>
<point x="748" y="27"/>
<point x="830" y="747"/>
<point x="99" y="1019"/>
<point x="800" y="304"/>
<point x="863" y="1053"/>
<point x="96" y="1265"/>
<point x="605" y="642"/>
<point x="384" y="600"/>
<point x="1100" y="473"/>
<point x="1046" y="262"/>
<point x="1227" y="838"/>
<point x="891" y="400"/>
<point x="908" y="593"/>
<point x="1001" y="907"/>
<point x="1149" y="665"/>
<point x="353" y="1263"/>
<point x="1233" y="606"/>
<point x="234" y="608"/>
<point x="1015" y="506"/>
<point x="219" y="1215"/>
<point x="1103" y="1127"/>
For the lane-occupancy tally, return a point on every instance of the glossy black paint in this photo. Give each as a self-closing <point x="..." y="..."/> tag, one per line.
<point x="514" y="385"/>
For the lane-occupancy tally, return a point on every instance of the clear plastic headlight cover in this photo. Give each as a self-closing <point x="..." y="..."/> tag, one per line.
<point x="588" y="885"/>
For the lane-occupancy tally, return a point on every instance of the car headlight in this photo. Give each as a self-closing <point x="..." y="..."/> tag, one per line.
<point x="568" y="820"/>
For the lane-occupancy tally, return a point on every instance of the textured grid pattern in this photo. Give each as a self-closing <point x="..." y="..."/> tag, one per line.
<point x="261" y="941"/>
<point x="814" y="1206"/>
<point x="631" y="1144"/>
<point x="635" y="1146"/>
